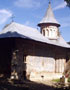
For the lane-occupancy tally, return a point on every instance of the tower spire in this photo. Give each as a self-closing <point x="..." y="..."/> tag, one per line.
<point x="49" y="26"/>
<point x="49" y="17"/>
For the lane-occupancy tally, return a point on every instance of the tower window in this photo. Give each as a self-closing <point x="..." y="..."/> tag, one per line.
<point x="50" y="32"/>
<point x="47" y="32"/>
<point x="44" y="32"/>
<point x="24" y="58"/>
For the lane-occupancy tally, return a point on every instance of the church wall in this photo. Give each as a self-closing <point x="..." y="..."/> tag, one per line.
<point x="34" y="59"/>
<point x="60" y="60"/>
<point x="41" y="58"/>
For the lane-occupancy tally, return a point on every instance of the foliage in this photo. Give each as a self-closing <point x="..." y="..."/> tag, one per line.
<point x="67" y="70"/>
<point x="69" y="79"/>
<point x="68" y="2"/>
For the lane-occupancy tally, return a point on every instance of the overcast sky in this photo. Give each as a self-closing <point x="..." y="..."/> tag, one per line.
<point x="31" y="12"/>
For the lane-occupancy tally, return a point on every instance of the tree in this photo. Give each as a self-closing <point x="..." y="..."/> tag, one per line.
<point x="67" y="69"/>
<point x="68" y="2"/>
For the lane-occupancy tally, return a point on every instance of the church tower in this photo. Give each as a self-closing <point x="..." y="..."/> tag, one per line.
<point x="49" y="25"/>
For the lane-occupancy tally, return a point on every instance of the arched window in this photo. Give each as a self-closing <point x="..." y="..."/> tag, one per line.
<point x="47" y="32"/>
<point x="24" y="58"/>
<point x="51" y="32"/>
<point x="44" y="32"/>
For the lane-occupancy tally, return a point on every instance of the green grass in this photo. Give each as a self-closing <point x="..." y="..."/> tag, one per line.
<point x="56" y="80"/>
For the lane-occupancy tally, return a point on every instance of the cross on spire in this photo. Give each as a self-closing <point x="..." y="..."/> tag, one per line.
<point x="49" y="1"/>
<point x="12" y="18"/>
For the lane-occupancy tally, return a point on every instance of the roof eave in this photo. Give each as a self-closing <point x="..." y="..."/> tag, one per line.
<point x="54" y="24"/>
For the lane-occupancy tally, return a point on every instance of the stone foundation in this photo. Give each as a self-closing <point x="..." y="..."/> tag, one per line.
<point x="35" y="76"/>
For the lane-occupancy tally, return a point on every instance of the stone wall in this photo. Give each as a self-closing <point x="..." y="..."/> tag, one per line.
<point x="40" y="59"/>
<point x="31" y="59"/>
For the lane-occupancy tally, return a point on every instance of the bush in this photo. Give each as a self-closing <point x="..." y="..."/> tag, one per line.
<point x="69" y="79"/>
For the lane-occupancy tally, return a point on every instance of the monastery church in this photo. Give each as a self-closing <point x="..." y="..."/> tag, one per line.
<point x="26" y="53"/>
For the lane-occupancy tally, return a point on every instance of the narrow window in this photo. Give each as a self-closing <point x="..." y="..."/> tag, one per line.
<point x="47" y="32"/>
<point x="44" y="32"/>
<point x="24" y="58"/>
<point x="51" y="32"/>
<point x="24" y="75"/>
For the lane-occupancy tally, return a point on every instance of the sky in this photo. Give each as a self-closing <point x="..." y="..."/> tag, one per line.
<point x="31" y="12"/>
